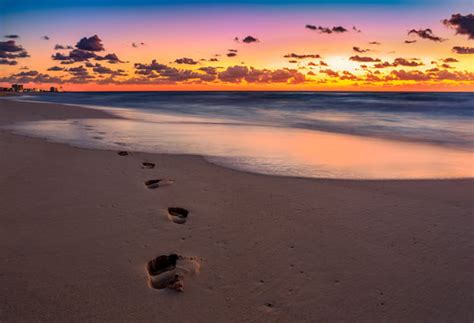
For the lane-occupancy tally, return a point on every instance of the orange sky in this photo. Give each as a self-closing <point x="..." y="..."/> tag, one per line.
<point x="169" y="34"/>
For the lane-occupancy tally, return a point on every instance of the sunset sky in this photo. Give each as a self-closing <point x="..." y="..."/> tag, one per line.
<point x="238" y="45"/>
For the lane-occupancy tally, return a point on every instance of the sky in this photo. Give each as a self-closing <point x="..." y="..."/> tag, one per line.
<point x="339" y="45"/>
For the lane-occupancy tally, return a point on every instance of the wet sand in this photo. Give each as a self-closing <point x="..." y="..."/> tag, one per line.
<point x="78" y="227"/>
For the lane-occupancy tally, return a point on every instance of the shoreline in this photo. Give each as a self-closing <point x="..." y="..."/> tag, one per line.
<point x="102" y="112"/>
<point x="79" y="225"/>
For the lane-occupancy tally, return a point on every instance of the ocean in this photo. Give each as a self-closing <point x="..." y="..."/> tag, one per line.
<point x="350" y="135"/>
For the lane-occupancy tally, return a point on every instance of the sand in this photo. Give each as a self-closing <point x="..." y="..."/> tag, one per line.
<point x="78" y="227"/>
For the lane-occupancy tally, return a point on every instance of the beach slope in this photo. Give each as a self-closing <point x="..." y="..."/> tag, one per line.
<point x="78" y="227"/>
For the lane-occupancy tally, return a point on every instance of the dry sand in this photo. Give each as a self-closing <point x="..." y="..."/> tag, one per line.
<point x="77" y="228"/>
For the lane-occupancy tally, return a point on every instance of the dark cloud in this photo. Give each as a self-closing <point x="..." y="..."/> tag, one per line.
<point x="292" y="61"/>
<point x="399" y="62"/>
<point x="374" y="43"/>
<point x="4" y="61"/>
<point x="81" y="55"/>
<point x="93" y="44"/>
<point x="10" y="51"/>
<point x="31" y="77"/>
<point x="78" y="71"/>
<point x="410" y="41"/>
<point x="346" y="75"/>
<point x="59" y="47"/>
<point x="321" y="63"/>
<point x="12" y="36"/>
<point x="249" y="39"/>
<point x="404" y="62"/>
<point x="464" y="25"/>
<point x="161" y="73"/>
<point x="100" y="69"/>
<point x="364" y="59"/>
<point x="354" y="28"/>
<point x="56" y="68"/>
<point x="136" y="45"/>
<point x="463" y="50"/>
<point x="233" y="50"/>
<point x="110" y="58"/>
<point x="238" y="74"/>
<point x="450" y="60"/>
<point x="403" y="75"/>
<point x="330" y="72"/>
<point x="45" y="37"/>
<point x="231" y="54"/>
<point x="426" y="34"/>
<point x="339" y="29"/>
<point x="302" y="56"/>
<point x="213" y="59"/>
<point x="327" y="30"/>
<point x="360" y="50"/>
<point x="76" y="55"/>
<point x="185" y="60"/>
<point x="382" y="65"/>
<point x="208" y="70"/>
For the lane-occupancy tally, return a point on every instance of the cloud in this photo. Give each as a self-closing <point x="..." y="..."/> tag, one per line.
<point x="426" y="34"/>
<point x="238" y="74"/>
<point x="10" y="51"/>
<point x="231" y="54"/>
<point x="82" y="55"/>
<point x="360" y="50"/>
<point x="4" y="61"/>
<point x="382" y="65"/>
<point x="59" y="47"/>
<point x="302" y="56"/>
<point x="410" y="41"/>
<point x="450" y="60"/>
<point x="233" y="50"/>
<point x="100" y="69"/>
<point x="93" y="44"/>
<point x="136" y="45"/>
<point x="354" y="28"/>
<point x="463" y="50"/>
<point x="374" y="43"/>
<point x="364" y="59"/>
<point x="249" y="39"/>
<point x="12" y="36"/>
<point x="330" y="72"/>
<point x="56" y="68"/>
<point x="208" y="70"/>
<point x="76" y="55"/>
<point x="45" y="37"/>
<point x="164" y="74"/>
<point x="185" y="60"/>
<point x="327" y="30"/>
<point x="404" y="62"/>
<point x="403" y="75"/>
<point x="31" y="77"/>
<point x="110" y="58"/>
<point x="464" y="25"/>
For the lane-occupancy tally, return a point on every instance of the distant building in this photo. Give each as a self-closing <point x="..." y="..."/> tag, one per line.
<point x="53" y="89"/>
<point x="17" y="87"/>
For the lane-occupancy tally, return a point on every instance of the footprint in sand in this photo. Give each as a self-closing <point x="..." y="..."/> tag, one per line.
<point x="169" y="271"/>
<point x="178" y="215"/>
<point x="122" y="153"/>
<point x="147" y="165"/>
<point x="155" y="183"/>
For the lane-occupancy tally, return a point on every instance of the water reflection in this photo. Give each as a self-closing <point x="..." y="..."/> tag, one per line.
<point x="265" y="149"/>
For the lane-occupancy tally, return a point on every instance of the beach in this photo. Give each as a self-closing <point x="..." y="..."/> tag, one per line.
<point x="78" y="227"/>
